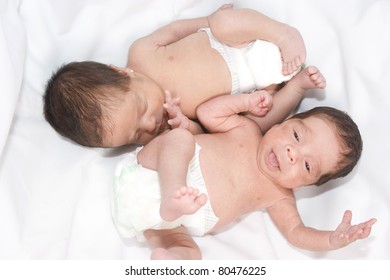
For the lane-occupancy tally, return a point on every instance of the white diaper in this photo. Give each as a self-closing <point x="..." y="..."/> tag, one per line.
<point x="136" y="199"/>
<point x="253" y="67"/>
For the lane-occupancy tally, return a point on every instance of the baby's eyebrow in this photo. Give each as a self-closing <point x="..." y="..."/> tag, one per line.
<point x="301" y="124"/>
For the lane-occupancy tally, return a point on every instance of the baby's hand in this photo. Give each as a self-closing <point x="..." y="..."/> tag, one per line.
<point x="176" y="119"/>
<point x="347" y="233"/>
<point x="260" y="103"/>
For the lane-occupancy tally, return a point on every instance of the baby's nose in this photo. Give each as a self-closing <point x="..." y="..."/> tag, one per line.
<point x="149" y="124"/>
<point x="291" y="154"/>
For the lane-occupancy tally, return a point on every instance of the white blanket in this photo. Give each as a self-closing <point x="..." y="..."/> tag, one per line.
<point x="55" y="195"/>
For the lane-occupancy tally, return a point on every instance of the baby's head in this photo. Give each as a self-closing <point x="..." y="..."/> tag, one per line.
<point x="76" y="97"/>
<point x="96" y="105"/>
<point x="348" y="136"/>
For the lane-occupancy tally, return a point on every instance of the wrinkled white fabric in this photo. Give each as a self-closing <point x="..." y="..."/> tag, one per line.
<point x="55" y="195"/>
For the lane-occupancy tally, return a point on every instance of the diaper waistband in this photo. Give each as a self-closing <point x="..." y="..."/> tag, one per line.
<point x="196" y="178"/>
<point x="223" y="51"/>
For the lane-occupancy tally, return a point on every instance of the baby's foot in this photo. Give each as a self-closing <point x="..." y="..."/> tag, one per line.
<point x="293" y="50"/>
<point x="310" y="78"/>
<point x="183" y="201"/>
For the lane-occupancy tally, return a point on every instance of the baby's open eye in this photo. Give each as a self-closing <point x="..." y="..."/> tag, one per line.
<point x="307" y="166"/>
<point x="296" y="136"/>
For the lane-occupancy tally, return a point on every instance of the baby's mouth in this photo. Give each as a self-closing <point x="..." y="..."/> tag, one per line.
<point x="273" y="161"/>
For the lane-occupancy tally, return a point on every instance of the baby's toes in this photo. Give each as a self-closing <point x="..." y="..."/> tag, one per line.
<point x="322" y="84"/>
<point x="285" y="68"/>
<point x="298" y="62"/>
<point x="311" y="70"/>
<point x="182" y="191"/>
<point x="201" y="200"/>
<point x="195" y="192"/>
<point x="189" y="190"/>
<point x="290" y="68"/>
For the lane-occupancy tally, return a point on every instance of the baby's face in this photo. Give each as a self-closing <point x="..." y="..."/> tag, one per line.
<point x="140" y="117"/>
<point x="298" y="152"/>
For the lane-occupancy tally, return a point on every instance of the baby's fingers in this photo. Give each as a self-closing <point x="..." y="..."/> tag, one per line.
<point x="354" y="233"/>
<point x="347" y="217"/>
<point x="266" y="102"/>
<point x="167" y="95"/>
<point x="174" y="123"/>
<point x="366" y="228"/>
<point x="176" y="101"/>
<point x="360" y="231"/>
<point x="171" y="110"/>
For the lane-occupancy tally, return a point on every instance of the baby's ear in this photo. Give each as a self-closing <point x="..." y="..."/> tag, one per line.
<point x="123" y="71"/>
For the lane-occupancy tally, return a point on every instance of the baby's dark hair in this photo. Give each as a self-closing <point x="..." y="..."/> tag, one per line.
<point x="75" y="97"/>
<point x="349" y="136"/>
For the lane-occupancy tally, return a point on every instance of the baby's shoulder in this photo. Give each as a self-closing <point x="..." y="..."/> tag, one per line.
<point x="286" y="197"/>
<point x="141" y="57"/>
<point x="249" y="127"/>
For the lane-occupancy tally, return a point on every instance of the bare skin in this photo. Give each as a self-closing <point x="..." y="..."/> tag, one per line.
<point x="287" y="38"/>
<point x="182" y="201"/>
<point x="179" y="59"/>
<point x="176" y="54"/>
<point x="264" y="179"/>
<point x="185" y="200"/>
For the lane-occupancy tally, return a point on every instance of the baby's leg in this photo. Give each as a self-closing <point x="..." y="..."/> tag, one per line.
<point x="252" y="25"/>
<point x="288" y="97"/>
<point x="182" y="201"/>
<point x="292" y="48"/>
<point x="172" y="244"/>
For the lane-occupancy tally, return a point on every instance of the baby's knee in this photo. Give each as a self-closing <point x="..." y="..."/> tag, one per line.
<point x="182" y="135"/>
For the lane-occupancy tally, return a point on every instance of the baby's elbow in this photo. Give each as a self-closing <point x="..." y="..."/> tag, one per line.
<point x="289" y="237"/>
<point x="294" y="237"/>
<point x="199" y="111"/>
<point x="180" y="134"/>
<point x="202" y="112"/>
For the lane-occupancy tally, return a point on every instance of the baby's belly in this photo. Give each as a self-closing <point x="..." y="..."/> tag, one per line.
<point x="194" y="71"/>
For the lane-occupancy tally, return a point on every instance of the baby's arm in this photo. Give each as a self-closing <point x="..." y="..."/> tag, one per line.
<point x="176" y="118"/>
<point x="286" y="217"/>
<point x="176" y="30"/>
<point x="222" y="113"/>
<point x="288" y="97"/>
<point x="236" y="27"/>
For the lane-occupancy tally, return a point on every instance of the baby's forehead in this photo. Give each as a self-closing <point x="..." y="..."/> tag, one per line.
<point x="319" y="127"/>
<point x="312" y="121"/>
